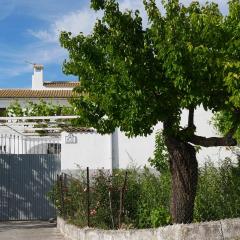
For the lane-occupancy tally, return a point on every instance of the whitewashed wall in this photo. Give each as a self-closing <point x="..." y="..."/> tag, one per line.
<point x="135" y="151"/>
<point x="118" y="151"/>
<point x="91" y="150"/>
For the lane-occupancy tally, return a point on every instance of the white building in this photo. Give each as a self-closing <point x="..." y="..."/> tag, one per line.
<point x="82" y="147"/>
<point x="13" y="139"/>
<point x="55" y="92"/>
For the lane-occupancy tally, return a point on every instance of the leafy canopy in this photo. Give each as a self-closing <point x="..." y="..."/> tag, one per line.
<point x="133" y="77"/>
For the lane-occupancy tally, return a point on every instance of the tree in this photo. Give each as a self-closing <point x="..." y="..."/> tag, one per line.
<point x="132" y="78"/>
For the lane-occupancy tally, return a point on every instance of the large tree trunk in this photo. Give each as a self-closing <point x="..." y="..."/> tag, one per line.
<point x="184" y="172"/>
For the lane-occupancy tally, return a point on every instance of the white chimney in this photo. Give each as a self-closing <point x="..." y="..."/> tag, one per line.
<point x="37" y="77"/>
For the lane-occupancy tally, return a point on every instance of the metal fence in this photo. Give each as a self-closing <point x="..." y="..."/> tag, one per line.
<point x="96" y="191"/>
<point x="16" y="144"/>
<point x="25" y="181"/>
<point x="28" y="170"/>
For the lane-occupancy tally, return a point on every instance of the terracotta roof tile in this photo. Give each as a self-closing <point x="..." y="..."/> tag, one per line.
<point x="60" y="84"/>
<point x="28" y="93"/>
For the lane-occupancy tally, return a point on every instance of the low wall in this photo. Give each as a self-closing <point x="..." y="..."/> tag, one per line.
<point x="228" y="229"/>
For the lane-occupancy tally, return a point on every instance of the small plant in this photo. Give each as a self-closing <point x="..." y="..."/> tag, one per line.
<point x="160" y="216"/>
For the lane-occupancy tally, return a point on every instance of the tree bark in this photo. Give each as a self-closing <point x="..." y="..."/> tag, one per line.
<point x="184" y="172"/>
<point x="184" y="166"/>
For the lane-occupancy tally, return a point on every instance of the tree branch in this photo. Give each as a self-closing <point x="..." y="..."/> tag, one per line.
<point x="227" y="140"/>
<point x="213" y="141"/>
<point x="191" y="117"/>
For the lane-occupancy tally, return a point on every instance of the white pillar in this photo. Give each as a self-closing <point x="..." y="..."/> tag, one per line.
<point x="115" y="149"/>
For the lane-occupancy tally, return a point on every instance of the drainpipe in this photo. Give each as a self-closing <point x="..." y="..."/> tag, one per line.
<point x="114" y="150"/>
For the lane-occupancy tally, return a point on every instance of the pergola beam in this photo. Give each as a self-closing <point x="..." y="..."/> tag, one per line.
<point x="37" y="118"/>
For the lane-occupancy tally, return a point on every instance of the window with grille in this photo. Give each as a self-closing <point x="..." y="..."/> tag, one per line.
<point x="54" y="148"/>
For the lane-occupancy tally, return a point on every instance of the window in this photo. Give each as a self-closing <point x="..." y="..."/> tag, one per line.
<point x="54" y="148"/>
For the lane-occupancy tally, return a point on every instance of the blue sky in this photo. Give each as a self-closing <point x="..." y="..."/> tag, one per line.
<point x="30" y="30"/>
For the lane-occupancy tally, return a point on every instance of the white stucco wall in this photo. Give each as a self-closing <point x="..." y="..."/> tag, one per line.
<point x="91" y="150"/>
<point x="119" y="151"/>
<point x="136" y="151"/>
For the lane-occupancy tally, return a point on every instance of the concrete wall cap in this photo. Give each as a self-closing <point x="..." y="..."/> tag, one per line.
<point x="227" y="229"/>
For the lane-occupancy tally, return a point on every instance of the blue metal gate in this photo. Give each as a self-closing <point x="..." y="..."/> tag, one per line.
<point x="25" y="180"/>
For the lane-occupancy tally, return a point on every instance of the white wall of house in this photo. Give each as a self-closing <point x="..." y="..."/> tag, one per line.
<point x="91" y="150"/>
<point x="118" y="151"/>
<point x="135" y="151"/>
<point x="112" y="151"/>
<point x="105" y="151"/>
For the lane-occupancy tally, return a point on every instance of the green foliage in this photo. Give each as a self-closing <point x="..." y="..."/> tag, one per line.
<point x="55" y="195"/>
<point x="160" y="160"/>
<point x="42" y="108"/>
<point x="224" y="120"/>
<point x="223" y="123"/>
<point x="136" y="77"/>
<point x="160" y="216"/>
<point x="153" y="204"/>
<point x="218" y="186"/>
<point x="71" y="201"/>
<point x="97" y="4"/>
<point x="145" y="200"/>
<point x="133" y="78"/>
<point x="15" y="109"/>
<point x="218" y="192"/>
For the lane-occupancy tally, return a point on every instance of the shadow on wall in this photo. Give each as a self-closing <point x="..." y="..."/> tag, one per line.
<point x="25" y="180"/>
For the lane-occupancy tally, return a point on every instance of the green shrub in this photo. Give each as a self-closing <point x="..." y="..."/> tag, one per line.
<point x="160" y="216"/>
<point x="218" y="192"/>
<point x="154" y="195"/>
<point x="147" y="196"/>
